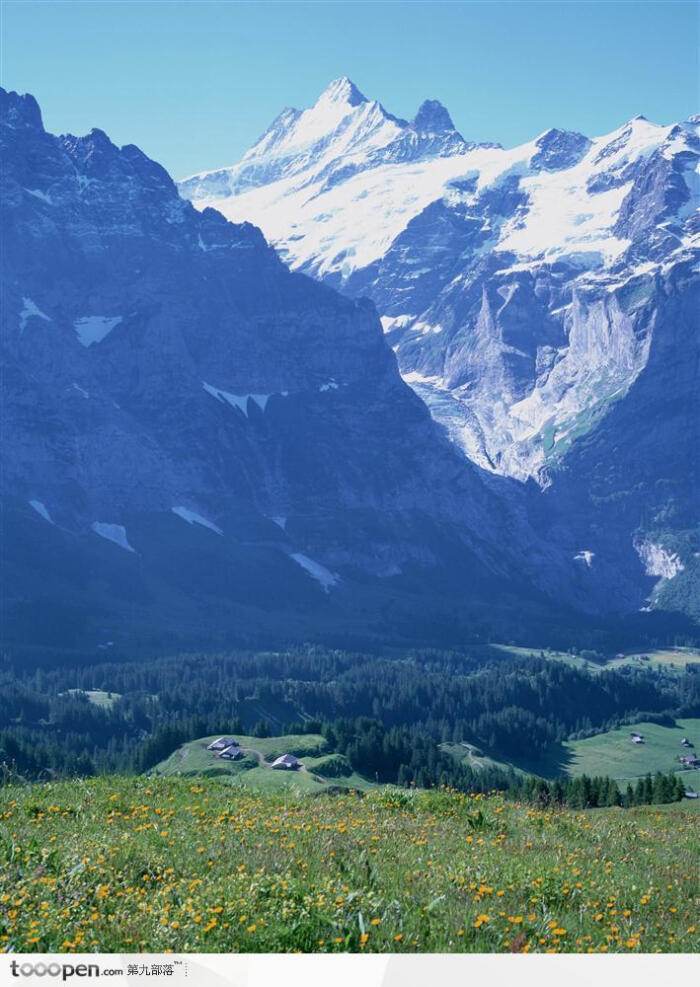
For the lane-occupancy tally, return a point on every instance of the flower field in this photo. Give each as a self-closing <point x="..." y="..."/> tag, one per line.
<point x="130" y="864"/>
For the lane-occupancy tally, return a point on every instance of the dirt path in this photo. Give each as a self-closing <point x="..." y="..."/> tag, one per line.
<point x="261" y="760"/>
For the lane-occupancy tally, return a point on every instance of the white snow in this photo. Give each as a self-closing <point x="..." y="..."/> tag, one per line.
<point x="81" y="391"/>
<point x="30" y="310"/>
<point x="93" y="328"/>
<point x="112" y="532"/>
<point x="657" y="560"/>
<point x="324" y="576"/>
<point x="390" y="322"/>
<point x="586" y="557"/>
<point x="41" y="510"/>
<point x="331" y="205"/>
<point x="192" y="517"/>
<point x="239" y="401"/>
<point x="351" y="224"/>
<point x="38" y="194"/>
<point x="281" y="522"/>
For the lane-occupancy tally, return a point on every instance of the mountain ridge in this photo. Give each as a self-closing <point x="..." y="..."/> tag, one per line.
<point x="357" y="233"/>
<point x="526" y="293"/>
<point x="193" y="432"/>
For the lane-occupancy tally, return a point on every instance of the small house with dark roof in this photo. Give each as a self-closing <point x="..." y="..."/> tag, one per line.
<point x="287" y="762"/>
<point x="232" y="753"/>
<point x="222" y="743"/>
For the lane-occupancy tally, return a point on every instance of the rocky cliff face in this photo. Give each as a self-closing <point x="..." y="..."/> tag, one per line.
<point x="539" y="299"/>
<point x="192" y="433"/>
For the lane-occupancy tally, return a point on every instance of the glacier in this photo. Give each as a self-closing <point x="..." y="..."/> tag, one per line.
<point x="501" y="275"/>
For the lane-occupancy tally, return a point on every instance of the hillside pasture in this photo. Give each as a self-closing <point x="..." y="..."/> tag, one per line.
<point x="131" y="865"/>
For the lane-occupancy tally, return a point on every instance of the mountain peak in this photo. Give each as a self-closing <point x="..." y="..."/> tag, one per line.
<point x="432" y="117"/>
<point x="20" y="110"/>
<point x="342" y="90"/>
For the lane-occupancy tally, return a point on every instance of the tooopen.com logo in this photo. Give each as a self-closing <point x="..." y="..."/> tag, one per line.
<point x="62" y="970"/>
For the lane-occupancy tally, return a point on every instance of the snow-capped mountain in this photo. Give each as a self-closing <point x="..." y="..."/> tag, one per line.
<point x="542" y="300"/>
<point x="500" y="275"/>
<point x="194" y="437"/>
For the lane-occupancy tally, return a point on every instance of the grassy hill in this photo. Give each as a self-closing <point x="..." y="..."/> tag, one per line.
<point x="322" y="767"/>
<point x="614" y="754"/>
<point x="611" y="753"/>
<point x="98" y="697"/>
<point x="177" y="864"/>
<point x="474" y="756"/>
<point x="672" y="660"/>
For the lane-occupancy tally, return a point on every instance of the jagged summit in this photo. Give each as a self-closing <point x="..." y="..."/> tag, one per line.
<point x="432" y="117"/>
<point x="18" y="109"/>
<point x="342" y="90"/>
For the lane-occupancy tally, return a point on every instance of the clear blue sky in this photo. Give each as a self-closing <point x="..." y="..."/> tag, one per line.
<point x="195" y="83"/>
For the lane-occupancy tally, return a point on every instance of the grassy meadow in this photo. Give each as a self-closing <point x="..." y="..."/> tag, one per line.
<point x="323" y="768"/>
<point x="610" y="753"/>
<point x="661" y="660"/>
<point x="133" y="864"/>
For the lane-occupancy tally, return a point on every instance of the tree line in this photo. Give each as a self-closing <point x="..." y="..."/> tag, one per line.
<point x="590" y="793"/>
<point x="509" y="704"/>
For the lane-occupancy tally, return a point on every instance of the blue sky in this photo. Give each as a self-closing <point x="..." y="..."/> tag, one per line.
<point x="195" y="83"/>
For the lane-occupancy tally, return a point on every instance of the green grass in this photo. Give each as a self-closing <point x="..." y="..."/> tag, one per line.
<point x="193" y="760"/>
<point x="151" y="865"/>
<point x="573" y="661"/>
<point x="474" y="757"/>
<point x="664" y="660"/>
<point x="611" y="753"/>
<point x="265" y="780"/>
<point x="97" y="696"/>
<point x="614" y="754"/>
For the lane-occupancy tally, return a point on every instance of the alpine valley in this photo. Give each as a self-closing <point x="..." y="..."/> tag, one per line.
<point x="476" y="418"/>
<point x="542" y="300"/>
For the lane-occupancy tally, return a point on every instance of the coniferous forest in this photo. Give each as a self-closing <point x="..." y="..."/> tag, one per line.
<point x="387" y="714"/>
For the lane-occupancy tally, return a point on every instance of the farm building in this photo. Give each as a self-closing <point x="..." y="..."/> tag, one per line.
<point x="231" y="753"/>
<point x="691" y="795"/>
<point x="288" y="762"/>
<point x="222" y="743"/>
<point x="690" y="760"/>
<point x="637" y="739"/>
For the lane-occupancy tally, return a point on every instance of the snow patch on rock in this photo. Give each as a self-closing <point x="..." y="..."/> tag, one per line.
<point x="324" y="576"/>
<point x="239" y="401"/>
<point x="112" y="532"/>
<point x="657" y="560"/>
<point x="30" y="310"/>
<point x="94" y="328"/>
<point x="41" y="510"/>
<point x="192" y="517"/>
